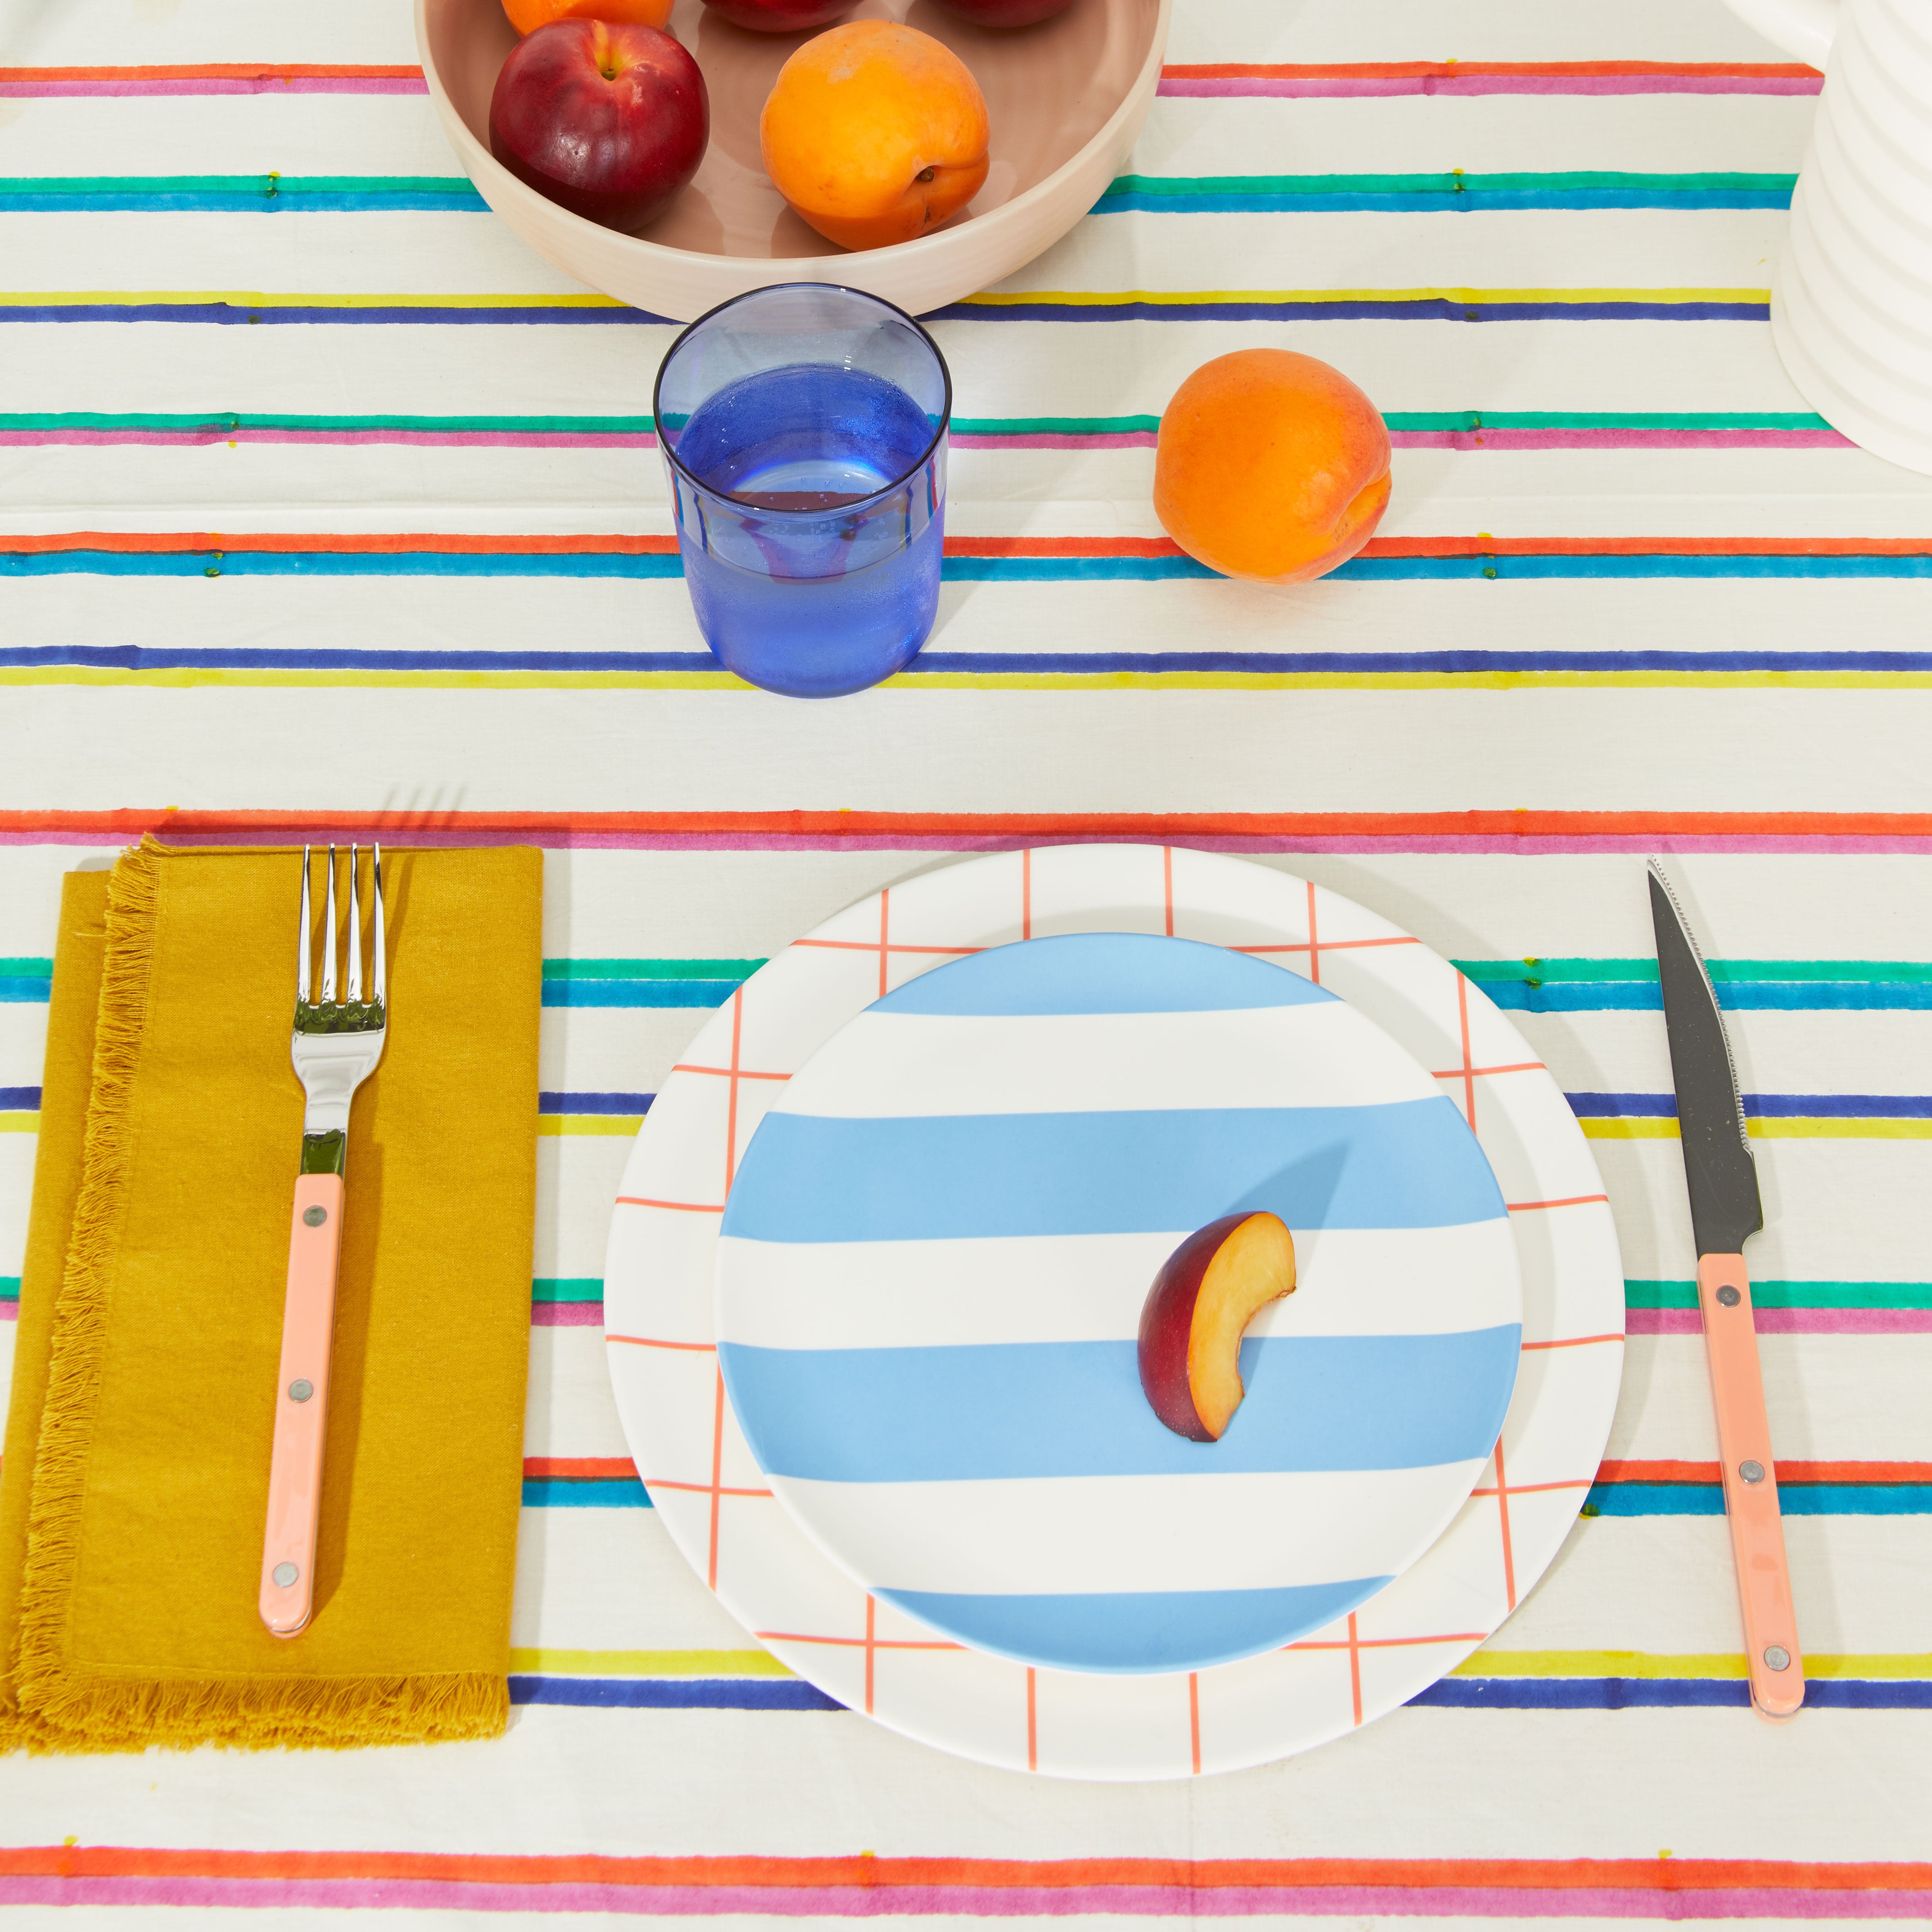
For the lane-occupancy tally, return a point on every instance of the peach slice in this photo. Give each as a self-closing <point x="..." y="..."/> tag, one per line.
<point x="1206" y="1293"/>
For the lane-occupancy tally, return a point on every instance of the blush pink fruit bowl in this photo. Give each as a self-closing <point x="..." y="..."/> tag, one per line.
<point x="1067" y="99"/>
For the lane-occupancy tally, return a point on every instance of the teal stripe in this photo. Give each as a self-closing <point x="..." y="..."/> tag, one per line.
<point x="1793" y="1499"/>
<point x="1905" y="1294"/>
<point x="1453" y="181"/>
<point x="190" y="422"/>
<point x="10" y="1288"/>
<point x="1790" y="985"/>
<point x="621" y="1493"/>
<point x="650" y="969"/>
<point x="567" y="1287"/>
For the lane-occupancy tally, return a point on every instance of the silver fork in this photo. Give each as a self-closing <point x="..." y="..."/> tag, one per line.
<point x="335" y="1047"/>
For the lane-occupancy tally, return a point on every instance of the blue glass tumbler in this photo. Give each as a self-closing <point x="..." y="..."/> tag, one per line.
<point x="804" y="427"/>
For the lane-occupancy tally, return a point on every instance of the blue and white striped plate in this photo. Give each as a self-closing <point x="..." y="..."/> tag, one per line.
<point x="933" y="1262"/>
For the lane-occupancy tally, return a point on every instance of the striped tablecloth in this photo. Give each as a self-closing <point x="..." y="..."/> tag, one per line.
<point x="326" y="507"/>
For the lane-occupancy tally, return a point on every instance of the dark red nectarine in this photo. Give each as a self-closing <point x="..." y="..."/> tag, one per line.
<point x="1206" y="1293"/>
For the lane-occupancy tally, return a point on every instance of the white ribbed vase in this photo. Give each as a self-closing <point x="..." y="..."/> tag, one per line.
<point x="1851" y="305"/>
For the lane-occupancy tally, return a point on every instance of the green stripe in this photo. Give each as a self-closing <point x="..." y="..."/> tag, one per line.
<point x="1536" y="972"/>
<point x="27" y="968"/>
<point x="650" y="969"/>
<point x="1681" y="419"/>
<point x="567" y="1287"/>
<point x="10" y="1288"/>
<point x="1454" y="181"/>
<point x="1055" y="425"/>
<point x="1789" y="1293"/>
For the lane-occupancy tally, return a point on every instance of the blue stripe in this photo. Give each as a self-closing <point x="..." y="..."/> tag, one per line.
<point x="1762" y="1106"/>
<point x="1794" y="1499"/>
<point x="1633" y="1693"/>
<point x="617" y="1492"/>
<point x="1436" y="201"/>
<point x="1135" y="1631"/>
<point x="643" y="992"/>
<point x="1734" y="996"/>
<point x="240" y="312"/>
<point x="1103" y="972"/>
<point x="594" y="1103"/>
<point x="1011" y="1411"/>
<point x="335" y="563"/>
<point x="20" y="1100"/>
<point x="1406" y="1164"/>
<point x="1429" y="308"/>
<point x="674" y="1694"/>
<point x="22" y="989"/>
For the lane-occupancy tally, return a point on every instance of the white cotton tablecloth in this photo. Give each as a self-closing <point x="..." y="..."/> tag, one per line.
<point x="325" y="508"/>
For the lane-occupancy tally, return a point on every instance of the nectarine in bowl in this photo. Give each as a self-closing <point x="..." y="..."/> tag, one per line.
<point x="1066" y="98"/>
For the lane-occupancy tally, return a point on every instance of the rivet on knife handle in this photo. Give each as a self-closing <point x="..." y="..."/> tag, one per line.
<point x="1777" y="1666"/>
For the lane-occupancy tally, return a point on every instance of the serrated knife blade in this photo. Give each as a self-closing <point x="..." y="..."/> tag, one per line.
<point x="1726" y="1209"/>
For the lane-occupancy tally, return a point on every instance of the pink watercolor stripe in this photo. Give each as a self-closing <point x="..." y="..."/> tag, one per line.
<point x="1477" y="844"/>
<point x="978" y="1901"/>
<point x="1352" y="87"/>
<point x="265" y="83"/>
<point x="1790" y="1321"/>
<point x="10" y="1311"/>
<point x="566" y="1315"/>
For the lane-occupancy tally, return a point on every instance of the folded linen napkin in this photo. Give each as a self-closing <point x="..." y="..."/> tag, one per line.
<point x="134" y="1481"/>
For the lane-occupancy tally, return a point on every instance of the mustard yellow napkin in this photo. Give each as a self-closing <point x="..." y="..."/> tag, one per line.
<point x="136" y="1466"/>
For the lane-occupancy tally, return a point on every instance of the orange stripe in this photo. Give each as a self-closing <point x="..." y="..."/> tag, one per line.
<point x="612" y="544"/>
<point x="1154" y="827"/>
<point x="578" y="1469"/>
<point x="1673" y="1875"/>
<point x="1629" y="1470"/>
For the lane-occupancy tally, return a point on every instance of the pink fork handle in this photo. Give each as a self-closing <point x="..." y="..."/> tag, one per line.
<point x="1750" y="1487"/>
<point x="301" y="1405"/>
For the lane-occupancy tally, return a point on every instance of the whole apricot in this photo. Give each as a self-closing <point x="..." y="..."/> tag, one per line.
<point x="874" y="132"/>
<point x="527" y="15"/>
<point x="1271" y="466"/>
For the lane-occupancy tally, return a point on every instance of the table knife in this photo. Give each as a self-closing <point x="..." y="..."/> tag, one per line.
<point x="1725" y="1209"/>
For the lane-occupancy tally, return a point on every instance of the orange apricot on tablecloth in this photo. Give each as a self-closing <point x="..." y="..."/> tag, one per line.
<point x="875" y="133"/>
<point x="527" y="15"/>
<point x="1271" y="466"/>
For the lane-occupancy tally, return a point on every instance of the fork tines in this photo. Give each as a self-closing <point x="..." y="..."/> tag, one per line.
<point x="351" y="1009"/>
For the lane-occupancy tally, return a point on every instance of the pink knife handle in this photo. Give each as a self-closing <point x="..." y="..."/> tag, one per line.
<point x="1750" y="1487"/>
<point x="301" y="1405"/>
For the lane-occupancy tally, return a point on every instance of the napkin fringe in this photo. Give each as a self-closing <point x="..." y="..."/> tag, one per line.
<point x="42" y="1679"/>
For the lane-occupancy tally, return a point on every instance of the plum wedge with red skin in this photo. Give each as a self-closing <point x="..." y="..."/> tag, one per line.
<point x="1206" y="1293"/>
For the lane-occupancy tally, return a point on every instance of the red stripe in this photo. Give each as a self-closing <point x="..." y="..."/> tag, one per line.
<point x="1654" y="1875"/>
<point x="578" y="1469"/>
<point x="1154" y="827"/>
<point x="1450" y="69"/>
<point x="1627" y="1470"/>
<point x="234" y="543"/>
<point x="214" y="70"/>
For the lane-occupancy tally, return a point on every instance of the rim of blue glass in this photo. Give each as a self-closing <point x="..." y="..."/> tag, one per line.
<point x="899" y="482"/>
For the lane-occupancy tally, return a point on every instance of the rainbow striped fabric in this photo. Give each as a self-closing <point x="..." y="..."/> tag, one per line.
<point x="326" y="508"/>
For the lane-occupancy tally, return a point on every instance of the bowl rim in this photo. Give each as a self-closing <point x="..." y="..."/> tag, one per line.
<point x="898" y="482"/>
<point x="788" y="268"/>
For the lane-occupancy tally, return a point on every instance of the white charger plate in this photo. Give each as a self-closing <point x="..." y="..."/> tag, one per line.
<point x="932" y="1272"/>
<point x="717" y="1506"/>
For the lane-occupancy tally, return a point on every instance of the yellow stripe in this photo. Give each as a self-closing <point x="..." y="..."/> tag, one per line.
<point x="264" y="298"/>
<point x="20" y="1124"/>
<point x="613" y="1124"/>
<point x="191" y="679"/>
<point x="648" y="1663"/>
<point x="1180" y="298"/>
<point x="1653" y="1664"/>
<point x="1809" y="1128"/>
